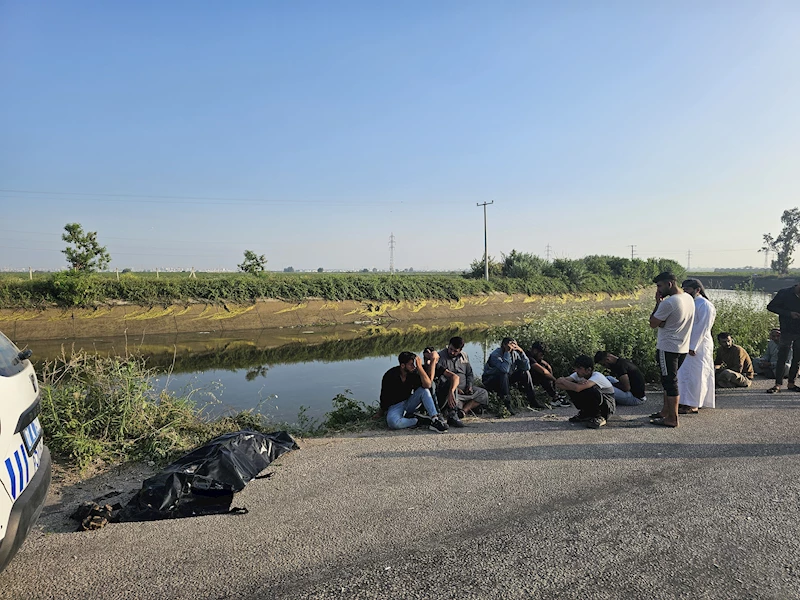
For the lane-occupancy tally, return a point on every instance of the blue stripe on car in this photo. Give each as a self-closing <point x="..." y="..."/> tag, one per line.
<point x="13" y="479"/>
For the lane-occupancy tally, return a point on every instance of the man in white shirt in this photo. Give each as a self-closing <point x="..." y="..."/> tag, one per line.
<point x="672" y="318"/>
<point x="591" y="393"/>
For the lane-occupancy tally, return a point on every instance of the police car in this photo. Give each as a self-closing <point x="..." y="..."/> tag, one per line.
<point x="24" y="459"/>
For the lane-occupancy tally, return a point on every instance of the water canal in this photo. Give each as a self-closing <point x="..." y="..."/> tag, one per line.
<point x="281" y="370"/>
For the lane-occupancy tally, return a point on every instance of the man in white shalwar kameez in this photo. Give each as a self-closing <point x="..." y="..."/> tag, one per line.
<point x="696" y="375"/>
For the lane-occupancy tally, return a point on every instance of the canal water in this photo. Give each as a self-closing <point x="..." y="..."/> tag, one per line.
<point x="278" y="371"/>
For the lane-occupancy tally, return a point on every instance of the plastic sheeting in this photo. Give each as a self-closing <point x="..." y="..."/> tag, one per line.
<point x="204" y="481"/>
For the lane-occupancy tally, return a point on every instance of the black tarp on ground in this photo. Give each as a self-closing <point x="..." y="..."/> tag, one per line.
<point x="203" y="482"/>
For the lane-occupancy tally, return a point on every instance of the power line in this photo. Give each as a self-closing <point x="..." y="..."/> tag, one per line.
<point x="485" y="241"/>
<point x="391" y="254"/>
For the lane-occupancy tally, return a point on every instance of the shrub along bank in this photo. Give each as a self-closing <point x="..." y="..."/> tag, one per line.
<point x="589" y="275"/>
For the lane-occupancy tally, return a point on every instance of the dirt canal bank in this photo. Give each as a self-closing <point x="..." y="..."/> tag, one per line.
<point x="131" y="320"/>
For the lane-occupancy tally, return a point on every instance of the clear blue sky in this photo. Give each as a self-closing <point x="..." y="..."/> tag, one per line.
<point x="311" y="131"/>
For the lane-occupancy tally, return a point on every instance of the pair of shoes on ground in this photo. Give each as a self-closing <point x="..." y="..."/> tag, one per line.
<point x="436" y="423"/>
<point x="559" y="402"/>
<point x="776" y="388"/>
<point x="454" y="418"/>
<point x="590" y="422"/>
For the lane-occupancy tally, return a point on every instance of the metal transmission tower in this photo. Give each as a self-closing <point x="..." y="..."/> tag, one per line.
<point x="689" y="260"/>
<point x="633" y="250"/>
<point x="391" y="254"/>
<point x="485" y="241"/>
<point x="547" y="251"/>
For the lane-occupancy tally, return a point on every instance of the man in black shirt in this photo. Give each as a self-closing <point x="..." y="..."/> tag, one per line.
<point x="627" y="379"/>
<point x="403" y="389"/>
<point x="786" y="304"/>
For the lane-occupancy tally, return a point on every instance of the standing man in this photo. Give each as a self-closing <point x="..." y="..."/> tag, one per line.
<point x="672" y="318"/>
<point x="403" y="389"/>
<point x="733" y="364"/>
<point x="626" y="378"/>
<point x="454" y="403"/>
<point x="508" y="365"/>
<point x="786" y="304"/>
<point x="696" y="376"/>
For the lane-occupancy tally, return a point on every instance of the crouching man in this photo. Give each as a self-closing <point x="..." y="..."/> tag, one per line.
<point x="458" y="396"/>
<point x="591" y="393"/>
<point x="404" y="389"/>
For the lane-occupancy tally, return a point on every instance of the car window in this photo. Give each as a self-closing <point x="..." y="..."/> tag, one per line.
<point x="9" y="364"/>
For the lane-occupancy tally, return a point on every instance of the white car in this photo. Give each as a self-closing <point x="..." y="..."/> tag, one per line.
<point x="25" y="460"/>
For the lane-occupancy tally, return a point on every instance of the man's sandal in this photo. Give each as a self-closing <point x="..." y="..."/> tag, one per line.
<point x="687" y="410"/>
<point x="774" y="389"/>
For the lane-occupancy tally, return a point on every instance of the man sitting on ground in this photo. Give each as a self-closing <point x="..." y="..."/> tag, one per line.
<point x="542" y="374"/>
<point x="403" y="389"/>
<point x="455" y="403"/>
<point x="591" y="393"/>
<point x="765" y="365"/>
<point x="508" y="365"/>
<point x="626" y="378"/>
<point x="732" y="364"/>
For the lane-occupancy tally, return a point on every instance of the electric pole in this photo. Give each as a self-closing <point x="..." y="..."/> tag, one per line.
<point x="689" y="260"/>
<point x="633" y="250"/>
<point x="485" y="241"/>
<point x="391" y="254"/>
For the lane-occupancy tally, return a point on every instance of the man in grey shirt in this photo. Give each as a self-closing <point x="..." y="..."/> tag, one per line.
<point x="672" y="318"/>
<point x="467" y="396"/>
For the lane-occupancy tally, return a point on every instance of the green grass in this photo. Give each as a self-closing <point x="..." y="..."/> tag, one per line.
<point x="67" y="289"/>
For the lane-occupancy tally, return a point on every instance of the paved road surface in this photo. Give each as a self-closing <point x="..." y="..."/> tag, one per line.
<point x="527" y="507"/>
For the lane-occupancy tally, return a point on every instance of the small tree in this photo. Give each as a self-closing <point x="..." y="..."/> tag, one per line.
<point x="783" y="245"/>
<point x="289" y="270"/>
<point x="85" y="255"/>
<point x="253" y="263"/>
<point x="320" y="270"/>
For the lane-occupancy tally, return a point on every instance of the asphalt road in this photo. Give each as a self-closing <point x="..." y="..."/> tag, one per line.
<point x="526" y="507"/>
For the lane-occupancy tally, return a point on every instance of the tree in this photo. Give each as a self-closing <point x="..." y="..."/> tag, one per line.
<point x="289" y="270"/>
<point x="253" y="263"/>
<point x="85" y="255"/>
<point x="783" y="245"/>
<point x="320" y="270"/>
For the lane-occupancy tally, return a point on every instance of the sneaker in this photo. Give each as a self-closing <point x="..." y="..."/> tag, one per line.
<point x="595" y="423"/>
<point x="438" y="425"/>
<point x="579" y="418"/>
<point x="460" y="413"/>
<point x="422" y="420"/>
<point x="454" y="421"/>
<point x="561" y="402"/>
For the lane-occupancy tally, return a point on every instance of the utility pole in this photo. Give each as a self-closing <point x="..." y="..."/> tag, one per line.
<point x="633" y="250"/>
<point x="391" y="254"/>
<point x="689" y="260"/>
<point x="766" y="259"/>
<point x="485" y="241"/>
<point x="547" y="251"/>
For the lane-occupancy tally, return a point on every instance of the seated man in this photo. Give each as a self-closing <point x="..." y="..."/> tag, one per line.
<point x="455" y="402"/>
<point x="403" y="389"/>
<point x="542" y="374"/>
<point x="765" y="365"/>
<point x="591" y="393"/>
<point x="732" y="364"/>
<point x="508" y="365"/>
<point x="626" y="378"/>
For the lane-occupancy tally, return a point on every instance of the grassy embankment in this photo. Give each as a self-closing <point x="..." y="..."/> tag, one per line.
<point x="107" y="408"/>
<point x="519" y="274"/>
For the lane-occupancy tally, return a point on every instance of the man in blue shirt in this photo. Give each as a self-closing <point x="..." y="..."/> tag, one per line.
<point x="508" y="365"/>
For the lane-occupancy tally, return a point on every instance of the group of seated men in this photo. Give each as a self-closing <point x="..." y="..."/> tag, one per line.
<point x="407" y="401"/>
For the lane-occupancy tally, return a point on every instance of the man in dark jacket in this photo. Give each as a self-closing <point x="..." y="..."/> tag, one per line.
<point x="786" y="304"/>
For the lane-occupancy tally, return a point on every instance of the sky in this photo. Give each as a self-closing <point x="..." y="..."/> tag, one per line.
<point x="185" y="133"/>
